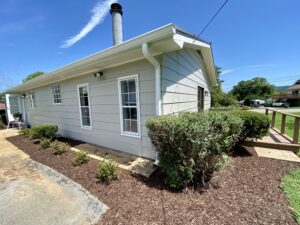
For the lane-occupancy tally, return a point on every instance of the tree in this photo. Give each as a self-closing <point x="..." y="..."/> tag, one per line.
<point x="256" y="88"/>
<point x="218" y="97"/>
<point x="33" y="75"/>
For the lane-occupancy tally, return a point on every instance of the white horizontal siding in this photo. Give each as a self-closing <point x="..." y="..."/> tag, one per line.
<point x="182" y="72"/>
<point x="104" y="109"/>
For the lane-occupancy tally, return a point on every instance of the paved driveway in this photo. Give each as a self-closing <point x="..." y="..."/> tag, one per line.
<point x="31" y="193"/>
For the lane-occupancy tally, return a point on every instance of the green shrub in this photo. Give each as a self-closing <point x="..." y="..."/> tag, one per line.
<point x="57" y="148"/>
<point x="81" y="158"/>
<point x="107" y="170"/>
<point x="1" y="123"/>
<point x="44" y="143"/>
<point x="44" y="131"/>
<point x="256" y="125"/>
<point x="190" y="145"/>
<point x="25" y="131"/>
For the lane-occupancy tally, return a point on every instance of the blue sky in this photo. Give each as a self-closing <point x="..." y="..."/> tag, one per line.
<point x="250" y="38"/>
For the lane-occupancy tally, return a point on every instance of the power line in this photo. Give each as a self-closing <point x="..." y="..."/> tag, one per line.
<point x="219" y="10"/>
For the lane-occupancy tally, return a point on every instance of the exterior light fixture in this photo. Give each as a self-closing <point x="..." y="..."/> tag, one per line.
<point x="98" y="74"/>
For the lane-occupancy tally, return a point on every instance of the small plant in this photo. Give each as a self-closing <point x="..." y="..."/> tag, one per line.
<point x="44" y="143"/>
<point x="107" y="170"/>
<point x="25" y="131"/>
<point x="80" y="158"/>
<point x="44" y="131"/>
<point x="57" y="148"/>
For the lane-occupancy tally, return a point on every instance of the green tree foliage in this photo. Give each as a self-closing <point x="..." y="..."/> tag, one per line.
<point x="256" y="88"/>
<point x="33" y="75"/>
<point x="218" y="97"/>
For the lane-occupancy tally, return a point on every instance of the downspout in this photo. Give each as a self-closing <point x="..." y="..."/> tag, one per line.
<point x="156" y="64"/>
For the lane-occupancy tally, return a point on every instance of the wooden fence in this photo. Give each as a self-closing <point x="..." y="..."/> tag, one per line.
<point x="295" y="139"/>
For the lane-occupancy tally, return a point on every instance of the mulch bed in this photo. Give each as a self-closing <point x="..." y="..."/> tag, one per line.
<point x="246" y="191"/>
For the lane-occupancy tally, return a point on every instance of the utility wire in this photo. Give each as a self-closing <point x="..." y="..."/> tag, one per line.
<point x="219" y="10"/>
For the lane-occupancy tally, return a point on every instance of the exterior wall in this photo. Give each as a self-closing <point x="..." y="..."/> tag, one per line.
<point x="104" y="105"/>
<point x="182" y="72"/>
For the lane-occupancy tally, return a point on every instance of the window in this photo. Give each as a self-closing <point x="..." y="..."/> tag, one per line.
<point x="32" y="99"/>
<point x="56" y="94"/>
<point x="14" y="104"/>
<point x="84" y="106"/>
<point x="129" y="105"/>
<point x="200" y="98"/>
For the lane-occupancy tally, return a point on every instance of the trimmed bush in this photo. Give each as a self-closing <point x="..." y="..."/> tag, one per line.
<point x="191" y="145"/>
<point x="107" y="170"/>
<point x="44" y="131"/>
<point x="256" y="125"/>
<point x="81" y="158"/>
<point x="57" y="148"/>
<point x="25" y="131"/>
<point x="44" y="143"/>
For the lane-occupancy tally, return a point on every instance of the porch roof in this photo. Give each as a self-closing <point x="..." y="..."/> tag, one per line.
<point x="294" y="87"/>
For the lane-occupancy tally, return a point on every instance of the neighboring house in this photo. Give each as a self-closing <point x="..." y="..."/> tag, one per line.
<point x="2" y="107"/>
<point x="292" y="96"/>
<point x="106" y="98"/>
<point x="2" y="112"/>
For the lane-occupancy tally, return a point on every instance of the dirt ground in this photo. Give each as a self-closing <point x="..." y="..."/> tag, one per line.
<point x="246" y="191"/>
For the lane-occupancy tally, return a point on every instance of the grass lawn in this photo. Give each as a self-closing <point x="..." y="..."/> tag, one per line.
<point x="291" y="187"/>
<point x="289" y="123"/>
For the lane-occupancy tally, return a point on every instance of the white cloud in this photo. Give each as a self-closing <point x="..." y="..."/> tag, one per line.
<point x="99" y="12"/>
<point x="250" y="68"/>
<point x="227" y="71"/>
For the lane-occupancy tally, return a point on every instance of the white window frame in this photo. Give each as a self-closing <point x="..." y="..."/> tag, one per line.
<point x="79" y="104"/>
<point x="57" y="87"/>
<point x="32" y="100"/>
<point x="126" y="133"/>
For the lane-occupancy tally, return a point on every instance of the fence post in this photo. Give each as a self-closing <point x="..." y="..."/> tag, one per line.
<point x="296" y="130"/>
<point x="273" y="119"/>
<point x="283" y="118"/>
<point x="267" y="111"/>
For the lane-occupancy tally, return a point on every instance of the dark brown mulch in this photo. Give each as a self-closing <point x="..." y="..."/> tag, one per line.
<point x="246" y="191"/>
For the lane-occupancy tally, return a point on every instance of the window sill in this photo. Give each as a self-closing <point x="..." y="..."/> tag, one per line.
<point x="134" y="135"/>
<point x="86" y="128"/>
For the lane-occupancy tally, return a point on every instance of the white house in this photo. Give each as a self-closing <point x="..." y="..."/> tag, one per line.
<point x="106" y="98"/>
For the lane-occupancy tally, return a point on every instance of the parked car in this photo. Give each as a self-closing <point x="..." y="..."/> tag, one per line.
<point x="280" y="104"/>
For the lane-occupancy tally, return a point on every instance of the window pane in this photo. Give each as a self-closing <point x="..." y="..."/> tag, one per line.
<point x="133" y="113"/>
<point x="131" y="84"/>
<point x="85" y="112"/>
<point x="126" y="125"/>
<point x="124" y="86"/>
<point x="126" y="113"/>
<point x="125" y="99"/>
<point x="86" y="121"/>
<point x="132" y="99"/>
<point x="133" y="126"/>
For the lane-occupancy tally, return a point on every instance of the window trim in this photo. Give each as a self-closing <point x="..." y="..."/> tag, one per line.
<point x="126" y="133"/>
<point x="79" y="105"/>
<point x="53" y="102"/>
<point x="31" y="102"/>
